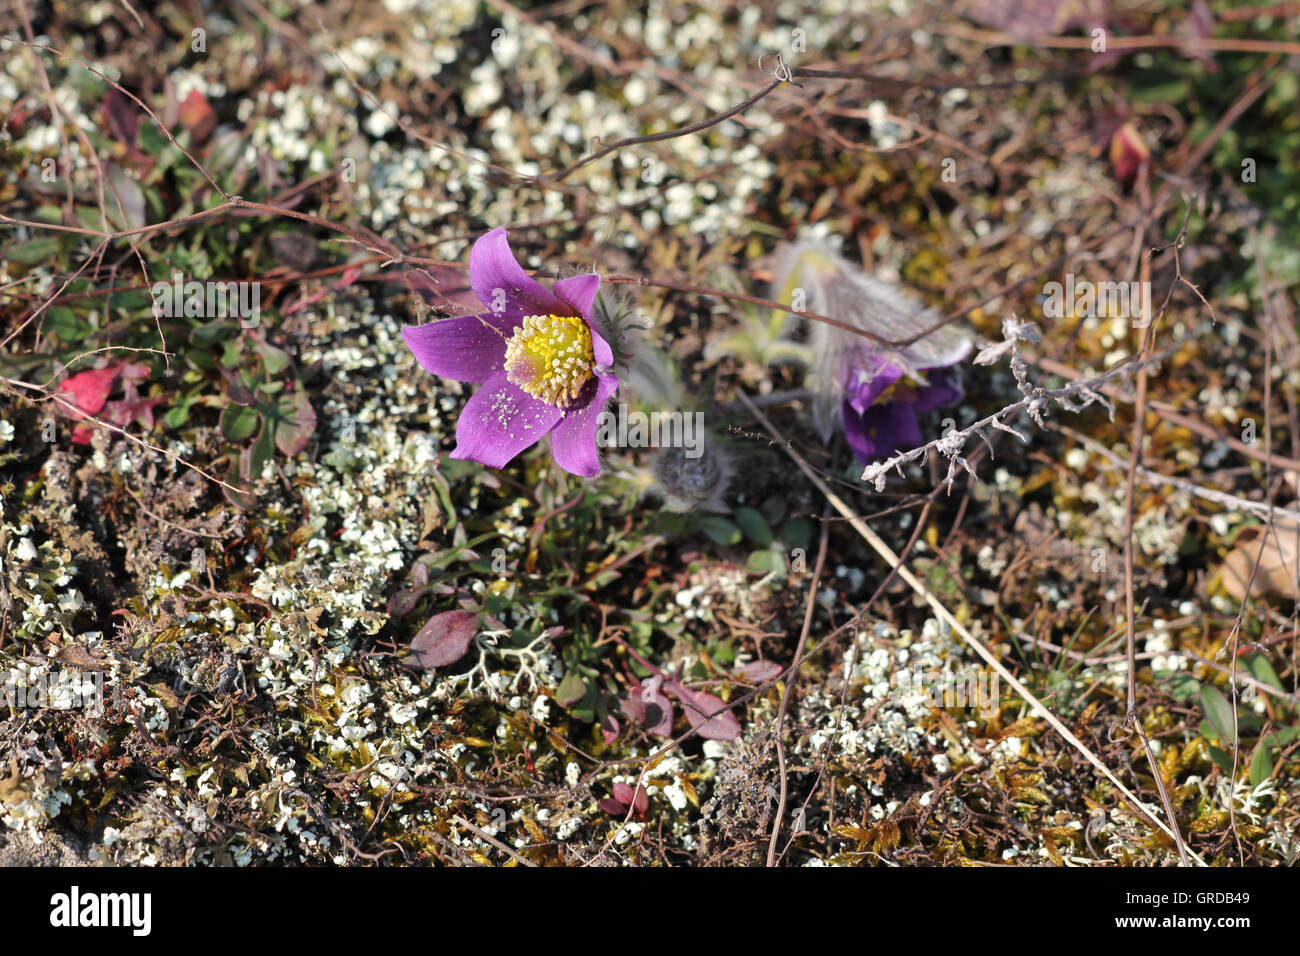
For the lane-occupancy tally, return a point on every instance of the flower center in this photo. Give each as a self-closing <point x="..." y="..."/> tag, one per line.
<point x="904" y="390"/>
<point x="550" y="357"/>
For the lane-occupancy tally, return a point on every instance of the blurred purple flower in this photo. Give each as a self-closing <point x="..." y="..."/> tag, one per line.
<point x="544" y="368"/>
<point x="882" y="400"/>
<point x="873" y="391"/>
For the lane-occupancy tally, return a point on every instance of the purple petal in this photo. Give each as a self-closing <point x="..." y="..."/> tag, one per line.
<point x="500" y="421"/>
<point x="603" y="354"/>
<point x="573" y="442"/>
<point x="503" y="286"/>
<point x="881" y="430"/>
<point x="579" y="292"/>
<point x="941" y="388"/>
<point x="867" y="378"/>
<point x="469" y="348"/>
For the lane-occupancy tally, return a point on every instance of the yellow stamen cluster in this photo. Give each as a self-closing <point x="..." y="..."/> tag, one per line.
<point x="550" y="357"/>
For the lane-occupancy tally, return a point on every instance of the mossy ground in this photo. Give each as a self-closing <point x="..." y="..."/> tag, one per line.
<point x="260" y="707"/>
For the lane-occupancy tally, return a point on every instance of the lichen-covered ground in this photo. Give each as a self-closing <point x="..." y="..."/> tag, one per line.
<point x="241" y="547"/>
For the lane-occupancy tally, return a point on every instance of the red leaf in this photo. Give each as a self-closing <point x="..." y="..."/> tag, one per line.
<point x="648" y="705"/>
<point x="444" y="639"/>
<point x="613" y="807"/>
<point x="403" y="602"/>
<point x="89" y="389"/>
<point x="197" y="116"/>
<point x="1128" y="154"/>
<point x="707" y="714"/>
<point x="131" y="407"/>
<point x="295" y="435"/>
<point x="121" y="116"/>
<point x="639" y="801"/>
<point x="759" y="671"/>
<point x="662" y="709"/>
<point x="609" y="728"/>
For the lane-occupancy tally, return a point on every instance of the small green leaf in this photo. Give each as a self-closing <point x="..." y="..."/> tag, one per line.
<point x="1261" y="765"/>
<point x="210" y="333"/>
<point x="66" y="324"/>
<point x="179" y="414"/>
<point x="131" y="302"/>
<point x="1262" y="670"/>
<point x="274" y="359"/>
<point x="238" y="422"/>
<point x="1170" y="91"/>
<point x="151" y="139"/>
<point x="1218" y="712"/>
<point x="571" y="690"/>
<point x="755" y="526"/>
<point x="766" y="562"/>
<point x="254" y="458"/>
<point x="233" y="356"/>
<point x="125" y="202"/>
<point x="719" y="530"/>
<point x="797" y="532"/>
<point x="774" y="509"/>
<point x="585" y="709"/>
<point x="32" y="251"/>
<point x="90" y="217"/>
<point x="1221" y="759"/>
<point x="1183" y="685"/>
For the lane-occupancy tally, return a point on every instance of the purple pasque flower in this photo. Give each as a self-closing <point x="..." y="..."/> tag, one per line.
<point x="544" y="368"/>
<point x="882" y="400"/>
<point x="874" y="391"/>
